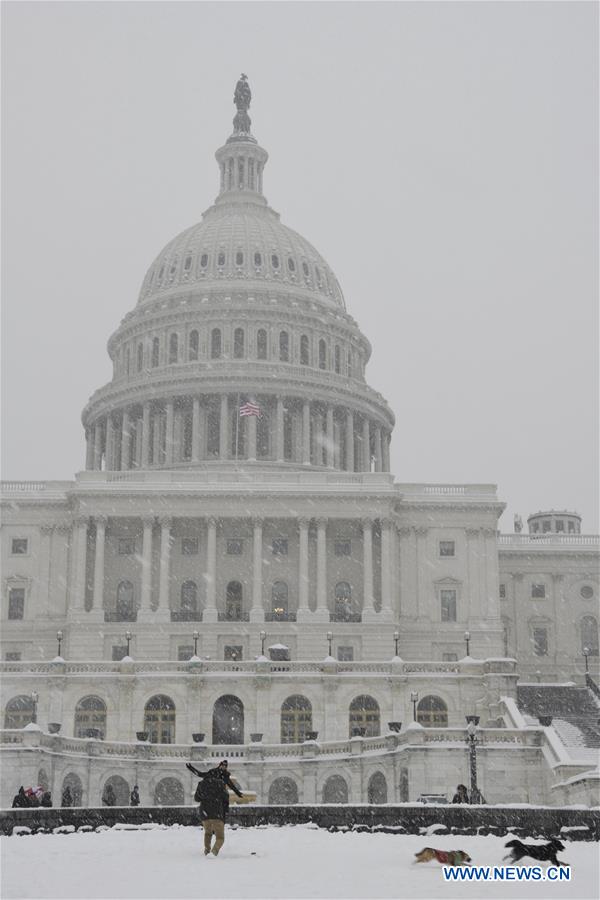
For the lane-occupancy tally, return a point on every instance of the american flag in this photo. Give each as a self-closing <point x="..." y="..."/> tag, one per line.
<point x="250" y="408"/>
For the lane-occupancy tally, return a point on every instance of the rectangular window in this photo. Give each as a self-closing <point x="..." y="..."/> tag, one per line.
<point x="449" y="657"/>
<point x="280" y="547"/>
<point x="126" y="546"/>
<point x="448" y="602"/>
<point x="538" y="591"/>
<point x="546" y="526"/>
<point x="119" y="651"/>
<point x="345" y="654"/>
<point x="446" y="548"/>
<point x="502" y="591"/>
<point x="235" y="547"/>
<point x="342" y="548"/>
<point x="560" y="525"/>
<point x="12" y="656"/>
<point x="233" y="652"/>
<point x="185" y="652"/>
<point x="19" y="546"/>
<point x="189" y="546"/>
<point x="540" y="641"/>
<point x="16" y="603"/>
<point x="571" y="527"/>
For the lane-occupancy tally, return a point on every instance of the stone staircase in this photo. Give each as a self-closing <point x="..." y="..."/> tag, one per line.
<point x="575" y="711"/>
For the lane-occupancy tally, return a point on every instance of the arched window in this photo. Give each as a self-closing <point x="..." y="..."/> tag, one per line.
<point x="304" y="351"/>
<point x="189" y="601"/>
<point x="279" y="600"/>
<point x="125" y="611"/>
<point x="335" y="790"/>
<point x="377" y="788"/>
<point x="72" y="784"/>
<point x="173" y="348"/>
<point x="228" y="720"/>
<point x="168" y="792"/>
<point x="283" y="792"/>
<point x="193" y="346"/>
<point x="221" y="260"/>
<point x="337" y="359"/>
<point x="291" y="264"/>
<point x="239" y="258"/>
<point x="238" y="343"/>
<point x="284" y="346"/>
<point x="140" y="357"/>
<point x="257" y="260"/>
<point x="344" y="608"/>
<point x="432" y="712"/>
<point x="159" y="719"/>
<point x="204" y="261"/>
<point x="215" y="343"/>
<point x="322" y="354"/>
<point x="234" y="601"/>
<point x="188" y="263"/>
<point x="90" y="718"/>
<point x="589" y="635"/>
<point x="364" y="717"/>
<point x="275" y="261"/>
<point x="18" y="712"/>
<point x="155" y="352"/>
<point x="296" y="719"/>
<point x="318" y="275"/>
<point x="261" y="343"/>
<point x="161" y="273"/>
<point x="115" y="792"/>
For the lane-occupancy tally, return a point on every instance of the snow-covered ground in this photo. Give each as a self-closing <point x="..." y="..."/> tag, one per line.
<point x="291" y="862"/>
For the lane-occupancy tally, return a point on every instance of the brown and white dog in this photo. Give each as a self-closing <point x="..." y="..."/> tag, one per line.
<point x="445" y="857"/>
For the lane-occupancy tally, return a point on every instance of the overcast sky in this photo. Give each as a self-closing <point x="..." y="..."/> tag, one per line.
<point x="441" y="156"/>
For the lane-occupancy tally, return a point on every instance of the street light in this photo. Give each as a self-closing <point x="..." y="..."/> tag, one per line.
<point x="34" y="697"/>
<point x="586" y="653"/>
<point x="467" y="640"/>
<point x="396" y="639"/>
<point x="414" y="699"/>
<point x="128" y="637"/>
<point x="263" y="637"/>
<point x="329" y="640"/>
<point x="196" y="635"/>
<point x="472" y="723"/>
<point x="59" y="637"/>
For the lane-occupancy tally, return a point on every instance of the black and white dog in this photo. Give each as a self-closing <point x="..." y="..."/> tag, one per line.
<point x="542" y="852"/>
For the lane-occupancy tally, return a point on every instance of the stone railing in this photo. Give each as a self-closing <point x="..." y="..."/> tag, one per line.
<point x="238" y="475"/>
<point x="452" y="491"/>
<point x="555" y="540"/>
<point x="34" y="487"/>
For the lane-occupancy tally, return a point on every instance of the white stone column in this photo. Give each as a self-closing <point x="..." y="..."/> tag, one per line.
<point x="366" y="462"/>
<point x="177" y="435"/>
<point x="79" y="545"/>
<point x="386" y="451"/>
<point x="210" y="609"/>
<point x="423" y="610"/>
<point x="170" y="414"/>
<point x="224" y="428"/>
<point x="97" y="446"/>
<point x="46" y="531"/>
<point x="145" y="460"/>
<point x="110" y="444"/>
<point x="378" y="454"/>
<point x="368" y="614"/>
<point x="89" y="449"/>
<point x="306" y="433"/>
<point x="251" y="434"/>
<point x="330" y="446"/>
<point x="322" y="612"/>
<point x="257" y="613"/>
<point x="156" y="438"/>
<point x="196" y="429"/>
<point x="279" y="449"/>
<point x="350" y="441"/>
<point x="146" y="592"/>
<point x="304" y="613"/>
<point x="125" y="440"/>
<point x="163" y="613"/>
<point x="387" y="610"/>
<point x="98" y="599"/>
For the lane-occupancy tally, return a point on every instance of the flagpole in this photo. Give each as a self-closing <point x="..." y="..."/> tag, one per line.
<point x="237" y="427"/>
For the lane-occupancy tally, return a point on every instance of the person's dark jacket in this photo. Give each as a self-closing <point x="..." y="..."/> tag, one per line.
<point x="67" y="798"/>
<point x="461" y="797"/>
<point x="218" y="772"/>
<point x="20" y="800"/>
<point x="214" y="801"/>
<point x="135" y="797"/>
<point x="46" y="798"/>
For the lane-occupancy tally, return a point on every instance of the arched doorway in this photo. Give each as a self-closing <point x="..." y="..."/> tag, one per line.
<point x="335" y="790"/>
<point x="432" y="712"/>
<point x="90" y="718"/>
<point x="283" y="792"/>
<point x="72" y="781"/>
<point x="120" y="788"/>
<point x="19" y="712"/>
<point x="228" y="720"/>
<point x="168" y="792"/>
<point x="365" y="718"/>
<point x="377" y="788"/>
<point x="296" y="719"/>
<point x="159" y="719"/>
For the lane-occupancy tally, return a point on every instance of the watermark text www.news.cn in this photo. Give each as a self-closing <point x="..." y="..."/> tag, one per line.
<point x="507" y="873"/>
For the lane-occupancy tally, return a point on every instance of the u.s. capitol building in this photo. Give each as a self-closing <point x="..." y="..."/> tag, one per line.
<point x="237" y="573"/>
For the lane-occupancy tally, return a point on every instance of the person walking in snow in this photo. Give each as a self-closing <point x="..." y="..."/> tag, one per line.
<point x="134" y="799"/>
<point x="214" y="805"/>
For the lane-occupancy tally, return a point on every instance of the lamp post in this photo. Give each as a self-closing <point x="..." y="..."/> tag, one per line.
<point x="263" y="637"/>
<point x="586" y="653"/>
<point x="34" y="697"/>
<point x="467" y="640"/>
<point x="396" y="640"/>
<point x="329" y="640"/>
<point x="414" y="699"/>
<point x="59" y="637"/>
<point x="128" y="637"/>
<point x="196" y="635"/>
<point x="472" y="723"/>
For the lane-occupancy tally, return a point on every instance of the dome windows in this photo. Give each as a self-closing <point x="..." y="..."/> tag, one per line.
<point x="160" y="274"/>
<point x="284" y="346"/>
<point x="188" y="263"/>
<point x="257" y="260"/>
<point x="140" y="357"/>
<point x="322" y="354"/>
<point x="337" y="359"/>
<point x="215" y="343"/>
<point x="275" y="261"/>
<point x="173" y="348"/>
<point x="155" y="352"/>
<point x="304" y="351"/>
<point x="306" y="270"/>
<point x="291" y="264"/>
<point x="221" y="259"/>
<point x="261" y="344"/>
<point x="238" y="343"/>
<point x="318" y="275"/>
<point x="193" y="346"/>
<point x="204" y="260"/>
<point x="239" y="258"/>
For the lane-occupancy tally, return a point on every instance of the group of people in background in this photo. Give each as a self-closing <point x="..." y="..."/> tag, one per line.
<point x="32" y="797"/>
<point x="462" y="795"/>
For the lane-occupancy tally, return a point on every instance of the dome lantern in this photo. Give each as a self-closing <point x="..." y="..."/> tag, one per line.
<point x="241" y="161"/>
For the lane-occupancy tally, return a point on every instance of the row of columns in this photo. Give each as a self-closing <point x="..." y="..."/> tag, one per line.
<point x="110" y="440"/>
<point x="162" y="613"/>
